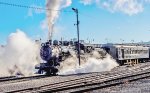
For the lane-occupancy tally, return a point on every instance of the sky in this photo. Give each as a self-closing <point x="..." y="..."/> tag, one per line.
<point x="112" y="21"/>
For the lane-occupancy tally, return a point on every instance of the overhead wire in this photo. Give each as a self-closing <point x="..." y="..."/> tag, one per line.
<point x="31" y="7"/>
<point x="41" y="8"/>
<point x="38" y="8"/>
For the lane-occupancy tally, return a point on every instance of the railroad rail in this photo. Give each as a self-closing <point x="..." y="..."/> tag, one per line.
<point x="96" y="82"/>
<point x="6" y="77"/>
<point x="91" y="82"/>
<point x="112" y="82"/>
<point x="13" y="79"/>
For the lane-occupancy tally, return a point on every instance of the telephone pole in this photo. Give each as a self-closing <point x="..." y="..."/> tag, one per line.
<point x="77" y="24"/>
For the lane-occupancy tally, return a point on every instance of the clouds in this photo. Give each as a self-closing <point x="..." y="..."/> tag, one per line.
<point x="86" y="2"/>
<point x="129" y="7"/>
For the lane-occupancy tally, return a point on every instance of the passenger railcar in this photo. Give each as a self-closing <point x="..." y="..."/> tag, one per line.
<point x="130" y="54"/>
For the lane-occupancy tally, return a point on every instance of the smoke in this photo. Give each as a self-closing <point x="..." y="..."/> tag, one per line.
<point x="94" y="63"/>
<point x="54" y="7"/>
<point x="19" y="55"/>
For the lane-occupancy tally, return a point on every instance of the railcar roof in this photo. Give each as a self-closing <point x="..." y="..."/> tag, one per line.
<point x="126" y="45"/>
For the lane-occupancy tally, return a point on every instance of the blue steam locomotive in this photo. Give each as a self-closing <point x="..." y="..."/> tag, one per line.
<point x="52" y="57"/>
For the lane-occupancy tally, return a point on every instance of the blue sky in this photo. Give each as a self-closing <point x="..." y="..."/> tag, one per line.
<point x="103" y="21"/>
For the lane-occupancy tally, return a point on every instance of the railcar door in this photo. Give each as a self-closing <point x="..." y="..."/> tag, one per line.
<point x="122" y="51"/>
<point x="116" y="52"/>
<point x="107" y="50"/>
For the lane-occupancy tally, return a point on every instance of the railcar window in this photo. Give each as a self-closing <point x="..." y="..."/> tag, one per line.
<point x="135" y="51"/>
<point x="138" y="51"/>
<point x="141" y="51"/>
<point x="145" y="51"/>
<point x="127" y="52"/>
<point x="131" y="51"/>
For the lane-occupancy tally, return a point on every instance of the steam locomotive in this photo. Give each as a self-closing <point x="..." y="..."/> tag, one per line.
<point x="53" y="54"/>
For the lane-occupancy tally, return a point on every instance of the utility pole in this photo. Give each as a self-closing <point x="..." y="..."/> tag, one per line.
<point x="76" y="11"/>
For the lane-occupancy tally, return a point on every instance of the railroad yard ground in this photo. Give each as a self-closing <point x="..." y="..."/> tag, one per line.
<point x="140" y="86"/>
<point x="55" y="83"/>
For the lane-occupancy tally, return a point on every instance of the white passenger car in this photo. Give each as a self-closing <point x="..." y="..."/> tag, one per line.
<point x="127" y="53"/>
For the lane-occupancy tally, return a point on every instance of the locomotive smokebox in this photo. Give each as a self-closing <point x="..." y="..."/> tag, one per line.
<point x="46" y="51"/>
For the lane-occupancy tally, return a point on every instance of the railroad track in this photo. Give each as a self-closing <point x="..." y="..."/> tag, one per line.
<point x="91" y="82"/>
<point x="7" y="77"/>
<point x="14" y="79"/>
<point x="96" y="82"/>
<point x="112" y="82"/>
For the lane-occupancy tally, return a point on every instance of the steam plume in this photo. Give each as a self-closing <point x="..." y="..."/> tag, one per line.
<point x="20" y="55"/>
<point x="54" y="7"/>
<point x="88" y="64"/>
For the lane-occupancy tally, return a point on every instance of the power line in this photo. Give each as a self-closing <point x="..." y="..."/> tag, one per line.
<point x="31" y="7"/>
<point x="39" y="8"/>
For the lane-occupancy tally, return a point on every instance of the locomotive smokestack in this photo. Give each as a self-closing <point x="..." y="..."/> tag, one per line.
<point x="50" y="34"/>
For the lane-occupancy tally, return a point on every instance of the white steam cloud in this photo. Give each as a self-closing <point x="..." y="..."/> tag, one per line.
<point x="88" y="64"/>
<point x="52" y="16"/>
<point x="19" y="55"/>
